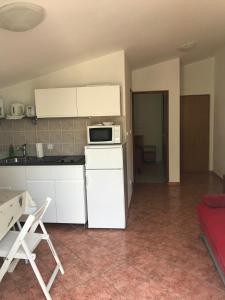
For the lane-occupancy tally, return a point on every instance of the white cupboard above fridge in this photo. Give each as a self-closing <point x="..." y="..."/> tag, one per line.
<point x="87" y="101"/>
<point x="56" y="103"/>
<point x="98" y="101"/>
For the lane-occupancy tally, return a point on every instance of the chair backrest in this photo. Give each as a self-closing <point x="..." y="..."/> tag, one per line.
<point x="32" y="221"/>
<point x="39" y="214"/>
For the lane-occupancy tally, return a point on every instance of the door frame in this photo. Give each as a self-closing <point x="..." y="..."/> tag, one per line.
<point x="166" y="102"/>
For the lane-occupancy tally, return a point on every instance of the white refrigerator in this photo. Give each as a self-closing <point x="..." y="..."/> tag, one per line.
<point x="105" y="186"/>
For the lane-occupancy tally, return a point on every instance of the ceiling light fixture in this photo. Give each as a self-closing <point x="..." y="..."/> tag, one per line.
<point x="21" y="16"/>
<point x="187" y="46"/>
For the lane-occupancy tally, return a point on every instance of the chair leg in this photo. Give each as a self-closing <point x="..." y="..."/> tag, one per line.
<point x="55" y="255"/>
<point x="52" y="249"/>
<point x="5" y="267"/>
<point x="19" y="225"/>
<point x="37" y="272"/>
<point x="13" y="265"/>
<point x="40" y="279"/>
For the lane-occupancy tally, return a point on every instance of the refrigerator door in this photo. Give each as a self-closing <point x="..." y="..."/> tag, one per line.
<point x="104" y="157"/>
<point x="105" y="199"/>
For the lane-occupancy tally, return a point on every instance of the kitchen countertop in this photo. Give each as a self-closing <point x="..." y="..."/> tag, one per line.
<point x="44" y="161"/>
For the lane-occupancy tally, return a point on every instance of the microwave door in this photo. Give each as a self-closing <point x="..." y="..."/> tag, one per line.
<point x="100" y="135"/>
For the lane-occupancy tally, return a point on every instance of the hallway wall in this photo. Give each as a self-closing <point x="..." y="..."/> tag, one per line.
<point x="219" y="125"/>
<point x="165" y="76"/>
<point x="198" y="79"/>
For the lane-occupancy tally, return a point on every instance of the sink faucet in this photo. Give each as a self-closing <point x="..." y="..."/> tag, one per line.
<point x="23" y="148"/>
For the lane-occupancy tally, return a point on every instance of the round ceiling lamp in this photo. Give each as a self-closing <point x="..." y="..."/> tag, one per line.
<point x="21" y="16"/>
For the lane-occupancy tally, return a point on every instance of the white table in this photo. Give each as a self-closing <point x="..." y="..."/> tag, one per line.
<point x="12" y="206"/>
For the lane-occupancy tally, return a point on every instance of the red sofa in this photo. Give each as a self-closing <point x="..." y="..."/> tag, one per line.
<point x="211" y="213"/>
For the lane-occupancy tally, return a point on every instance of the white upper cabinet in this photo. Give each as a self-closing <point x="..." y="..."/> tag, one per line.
<point x="57" y="102"/>
<point x="98" y="100"/>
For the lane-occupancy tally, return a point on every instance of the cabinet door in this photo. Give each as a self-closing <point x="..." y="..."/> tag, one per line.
<point x="98" y="101"/>
<point x="70" y="201"/>
<point x="39" y="190"/>
<point x="52" y="103"/>
<point x="13" y="177"/>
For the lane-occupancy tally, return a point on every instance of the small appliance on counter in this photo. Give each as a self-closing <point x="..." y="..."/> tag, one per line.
<point x="2" y="112"/>
<point x="39" y="150"/>
<point x="105" y="133"/>
<point x="17" y="111"/>
<point x="30" y="111"/>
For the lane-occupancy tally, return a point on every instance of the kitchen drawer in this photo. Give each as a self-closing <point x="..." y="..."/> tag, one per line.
<point x="55" y="172"/>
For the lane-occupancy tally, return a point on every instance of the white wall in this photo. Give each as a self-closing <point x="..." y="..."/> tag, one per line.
<point x="198" y="79"/>
<point x="161" y="77"/>
<point x="219" y="116"/>
<point x="128" y="127"/>
<point x="148" y="118"/>
<point x="105" y="69"/>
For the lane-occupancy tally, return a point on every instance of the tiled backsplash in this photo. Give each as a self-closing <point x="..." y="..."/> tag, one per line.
<point x="68" y="135"/>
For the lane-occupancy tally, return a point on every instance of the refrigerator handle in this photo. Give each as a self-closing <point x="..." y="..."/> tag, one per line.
<point x="86" y="180"/>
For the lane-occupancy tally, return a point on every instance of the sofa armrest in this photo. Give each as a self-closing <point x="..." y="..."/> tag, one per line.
<point x="214" y="200"/>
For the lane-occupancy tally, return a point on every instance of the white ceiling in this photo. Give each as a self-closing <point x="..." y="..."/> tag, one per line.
<point x="76" y="30"/>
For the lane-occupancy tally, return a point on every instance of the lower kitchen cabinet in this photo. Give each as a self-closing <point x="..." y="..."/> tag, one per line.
<point x="13" y="177"/>
<point x="70" y="193"/>
<point x="39" y="190"/>
<point x="64" y="184"/>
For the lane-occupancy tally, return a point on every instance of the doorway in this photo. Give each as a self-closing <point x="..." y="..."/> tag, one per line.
<point x="150" y="136"/>
<point x="194" y="133"/>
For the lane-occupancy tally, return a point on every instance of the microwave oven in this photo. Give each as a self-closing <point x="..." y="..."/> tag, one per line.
<point x="102" y="134"/>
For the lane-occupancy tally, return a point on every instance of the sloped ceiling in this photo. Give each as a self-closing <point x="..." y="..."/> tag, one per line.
<point x="77" y="30"/>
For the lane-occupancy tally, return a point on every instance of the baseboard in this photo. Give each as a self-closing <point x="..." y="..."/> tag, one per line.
<point x="216" y="175"/>
<point x="221" y="179"/>
<point x="171" y="183"/>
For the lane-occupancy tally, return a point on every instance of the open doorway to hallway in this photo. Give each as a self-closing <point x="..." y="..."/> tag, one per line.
<point x="150" y="140"/>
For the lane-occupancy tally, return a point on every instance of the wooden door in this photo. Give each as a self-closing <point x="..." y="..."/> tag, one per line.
<point x="194" y="120"/>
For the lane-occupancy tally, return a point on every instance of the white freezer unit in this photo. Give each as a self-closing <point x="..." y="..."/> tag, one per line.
<point x="105" y="186"/>
<point x="103" y="157"/>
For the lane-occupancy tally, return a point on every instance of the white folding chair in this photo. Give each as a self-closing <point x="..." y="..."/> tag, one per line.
<point x="21" y="244"/>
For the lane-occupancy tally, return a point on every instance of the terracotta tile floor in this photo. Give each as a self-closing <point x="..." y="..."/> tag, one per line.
<point x="158" y="256"/>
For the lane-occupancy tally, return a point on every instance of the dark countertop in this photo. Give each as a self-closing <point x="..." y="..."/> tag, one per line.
<point x="44" y="161"/>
